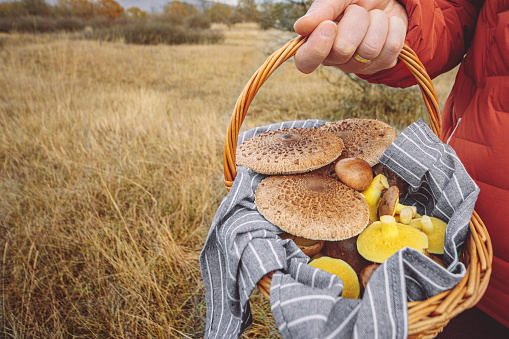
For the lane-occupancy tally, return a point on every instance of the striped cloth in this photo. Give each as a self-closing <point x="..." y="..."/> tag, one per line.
<point x="306" y="302"/>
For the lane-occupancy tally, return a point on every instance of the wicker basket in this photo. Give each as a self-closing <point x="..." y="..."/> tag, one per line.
<point x="425" y="318"/>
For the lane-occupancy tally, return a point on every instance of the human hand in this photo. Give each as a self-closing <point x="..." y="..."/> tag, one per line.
<point x="367" y="38"/>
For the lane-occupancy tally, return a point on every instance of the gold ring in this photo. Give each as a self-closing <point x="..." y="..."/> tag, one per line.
<point x="361" y="59"/>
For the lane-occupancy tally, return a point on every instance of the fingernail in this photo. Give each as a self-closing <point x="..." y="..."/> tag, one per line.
<point x="328" y="30"/>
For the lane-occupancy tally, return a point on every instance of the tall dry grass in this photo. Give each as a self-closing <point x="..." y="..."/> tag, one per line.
<point x="111" y="171"/>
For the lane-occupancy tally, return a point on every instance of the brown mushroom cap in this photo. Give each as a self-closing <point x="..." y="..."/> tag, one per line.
<point x="355" y="173"/>
<point x="313" y="206"/>
<point x="346" y="250"/>
<point x="289" y="151"/>
<point x="389" y="202"/>
<point x="363" y="138"/>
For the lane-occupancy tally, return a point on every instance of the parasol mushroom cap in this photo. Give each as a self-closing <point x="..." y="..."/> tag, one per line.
<point x="289" y="151"/>
<point x="383" y="238"/>
<point x="313" y="206"/>
<point x="343" y="270"/>
<point x="363" y="138"/>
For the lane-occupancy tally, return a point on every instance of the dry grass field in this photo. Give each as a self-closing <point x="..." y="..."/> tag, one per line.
<point x="111" y="172"/>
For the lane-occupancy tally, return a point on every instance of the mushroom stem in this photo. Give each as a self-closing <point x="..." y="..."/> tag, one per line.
<point x="427" y="224"/>
<point x="400" y="207"/>
<point x="406" y="215"/>
<point x="389" y="228"/>
<point x="372" y="195"/>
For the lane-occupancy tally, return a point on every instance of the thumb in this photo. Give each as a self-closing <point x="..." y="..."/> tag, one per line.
<point x="318" y="46"/>
<point x="320" y="11"/>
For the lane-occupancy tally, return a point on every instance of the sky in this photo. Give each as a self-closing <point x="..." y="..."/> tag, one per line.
<point x="147" y="5"/>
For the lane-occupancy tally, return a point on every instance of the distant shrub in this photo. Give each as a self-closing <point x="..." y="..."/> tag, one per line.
<point x="170" y="18"/>
<point x="153" y="33"/>
<point x="37" y="24"/>
<point x="198" y="20"/>
<point x="130" y="30"/>
<point x="396" y="106"/>
<point x="70" y="24"/>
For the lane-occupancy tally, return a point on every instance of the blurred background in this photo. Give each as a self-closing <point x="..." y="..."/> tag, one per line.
<point x="113" y="117"/>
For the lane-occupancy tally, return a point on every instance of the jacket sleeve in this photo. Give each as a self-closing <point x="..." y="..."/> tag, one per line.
<point x="439" y="31"/>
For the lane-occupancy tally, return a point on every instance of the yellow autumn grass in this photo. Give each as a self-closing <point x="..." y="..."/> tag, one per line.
<point x="111" y="172"/>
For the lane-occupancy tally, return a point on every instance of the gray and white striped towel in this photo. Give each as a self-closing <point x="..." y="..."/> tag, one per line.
<point x="306" y="302"/>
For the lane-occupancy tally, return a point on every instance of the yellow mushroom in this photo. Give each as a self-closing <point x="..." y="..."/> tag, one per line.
<point x="344" y="271"/>
<point x="416" y="223"/>
<point x="373" y="193"/>
<point x="389" y="204"/>
<point x="434" y="228"/>
<point x="383" y="238"/>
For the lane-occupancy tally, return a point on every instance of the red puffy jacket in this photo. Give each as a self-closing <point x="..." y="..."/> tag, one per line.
<point x="476" y="113"/>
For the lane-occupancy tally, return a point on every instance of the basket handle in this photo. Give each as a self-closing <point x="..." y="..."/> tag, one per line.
<point x="407" y="56"/>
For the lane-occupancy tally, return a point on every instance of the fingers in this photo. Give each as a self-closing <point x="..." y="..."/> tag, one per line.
<point x="388" y="56"/>
<point x="382" y="42"/>
<point x="375" y="37"/>
<point x="375" y="26"/>
<point x="317" y="48"/>
<point x="368" y="38"/>
<point x="320" y="11"/>
<point x="351" y="31"/>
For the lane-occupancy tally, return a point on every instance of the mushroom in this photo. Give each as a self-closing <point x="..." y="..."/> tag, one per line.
<point x="434" y="228"/>
<point x="389" y="205"/>
<point x="373" y="193"/>
<point x="363" y="138"/>
<point x="310" y="247"/>
<point x="392" y="178"/>
<point x="406" y="215"/>
<point x="347" y="251"/>
<point x="383" y="238"/>
<point x="313" y="206"/>
<point x="416" y="223"/>
<point x="355" y="173"/>
<point x="366" y="274"/>
<point x="289" y="151"/>
<point x="340" y="268"/>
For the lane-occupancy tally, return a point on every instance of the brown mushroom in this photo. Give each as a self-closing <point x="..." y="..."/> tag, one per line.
<point x="366" y="274"/>
<point x="346" y="250"/>
<point x="310" y="247"/>
<point x="312" y="206"/>
<point x="289" y="151"/>
<point x="363" y="138"/>
<point x="392" y="178"/>
<point x="389" y="205"/>
<point x="355" y="173"/>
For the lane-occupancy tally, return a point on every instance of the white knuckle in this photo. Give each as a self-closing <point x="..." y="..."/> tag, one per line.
<point x="377" y="12"/>
<point x="343" y="53"/>
<point x="357" y="10"/>
<point x="370" y="49"/>
<point x="393" y="47"/>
